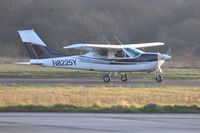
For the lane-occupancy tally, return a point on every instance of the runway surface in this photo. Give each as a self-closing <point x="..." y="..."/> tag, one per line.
<point x="85" y="81"/>
<point x="98" y="123"/>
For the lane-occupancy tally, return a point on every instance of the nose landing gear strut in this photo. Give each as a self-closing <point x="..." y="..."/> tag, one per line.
<point x="159" y="77"/>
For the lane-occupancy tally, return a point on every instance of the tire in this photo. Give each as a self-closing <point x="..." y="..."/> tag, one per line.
<point x="106" y="78"/>
<point x="159" y="78"/>
<point x="124" y="77"/>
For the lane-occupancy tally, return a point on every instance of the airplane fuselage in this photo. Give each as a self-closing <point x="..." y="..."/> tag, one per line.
<point x="141" y="63"/>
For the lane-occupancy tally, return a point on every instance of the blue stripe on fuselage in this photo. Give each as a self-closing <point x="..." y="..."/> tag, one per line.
<point x="145" y="57"/>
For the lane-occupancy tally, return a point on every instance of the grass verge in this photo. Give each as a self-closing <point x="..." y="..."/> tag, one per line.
<point x="150" y="108"/>
<point x="43" y="98"/>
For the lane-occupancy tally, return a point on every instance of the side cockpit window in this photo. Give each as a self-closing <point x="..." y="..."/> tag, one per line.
<point x="133" y="52"/>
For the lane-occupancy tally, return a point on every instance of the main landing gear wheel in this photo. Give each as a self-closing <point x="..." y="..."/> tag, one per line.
<point x="106" y="78"/>
<point x="124" y="77"/>
<point x="159" y="78"/>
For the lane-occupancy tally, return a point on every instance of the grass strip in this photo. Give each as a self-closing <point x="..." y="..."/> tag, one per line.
<point x="61" y="98"/>
<point x="149" y="108"/>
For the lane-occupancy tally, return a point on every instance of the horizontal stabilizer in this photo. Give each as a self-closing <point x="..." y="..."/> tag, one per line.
<point x="23" y="63"/>
<point x="28" y="63"/>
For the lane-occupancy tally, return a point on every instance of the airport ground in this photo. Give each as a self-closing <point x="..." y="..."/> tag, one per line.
<point x="98" y="81"/>
<point x="23" y="74"/>
<point x="98" y="123"/>
<point x="108" y="99"/>
<point x="36" y="72"/>
<point x="25" y="88"/>
<point x="35" y="89"/>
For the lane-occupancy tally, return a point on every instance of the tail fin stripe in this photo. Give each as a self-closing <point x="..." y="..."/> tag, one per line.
<point x="31" y="51"/>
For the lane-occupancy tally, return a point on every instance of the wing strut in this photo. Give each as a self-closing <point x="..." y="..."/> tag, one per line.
<point x="116" y="38"/>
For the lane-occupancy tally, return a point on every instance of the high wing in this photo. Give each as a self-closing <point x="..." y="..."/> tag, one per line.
<point x="82" y="46"/>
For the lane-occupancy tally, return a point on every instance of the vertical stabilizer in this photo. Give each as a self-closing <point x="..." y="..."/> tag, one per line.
<point x="36" y="48"/>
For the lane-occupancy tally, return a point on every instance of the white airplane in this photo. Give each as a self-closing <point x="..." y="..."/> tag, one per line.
<point x="99" y="57"/>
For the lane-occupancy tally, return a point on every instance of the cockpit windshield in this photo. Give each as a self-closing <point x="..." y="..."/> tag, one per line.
<point x="133" y="52"/>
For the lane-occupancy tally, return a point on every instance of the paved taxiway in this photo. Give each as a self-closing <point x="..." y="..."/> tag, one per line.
<point x="98" y="123"/>
<point x="84" y="81"/>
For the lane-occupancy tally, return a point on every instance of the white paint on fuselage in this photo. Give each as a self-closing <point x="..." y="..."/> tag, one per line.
<point x="73" y="62"/>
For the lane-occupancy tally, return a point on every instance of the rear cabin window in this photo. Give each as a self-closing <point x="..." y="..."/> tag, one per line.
<point x="119" y="54"/>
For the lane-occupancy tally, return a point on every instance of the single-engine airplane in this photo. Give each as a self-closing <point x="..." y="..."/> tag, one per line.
<point x="99" y="57"/>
